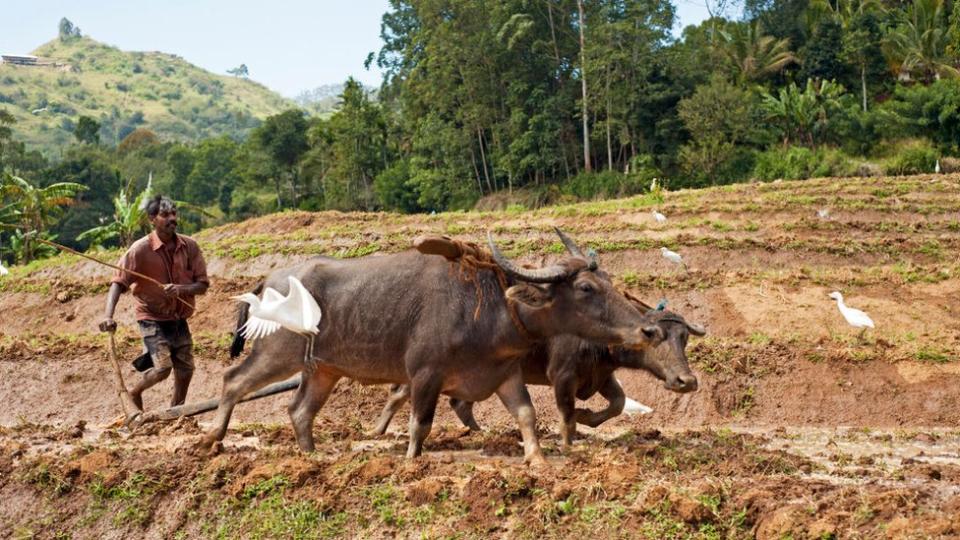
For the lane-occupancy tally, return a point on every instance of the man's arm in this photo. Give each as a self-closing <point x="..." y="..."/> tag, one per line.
<point x="108" y="324"/>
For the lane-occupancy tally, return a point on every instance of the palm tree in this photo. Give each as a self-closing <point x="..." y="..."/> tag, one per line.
<point x="32" y="209"/>
<point x="751" y="54"/>
<point x="917" y="46"/>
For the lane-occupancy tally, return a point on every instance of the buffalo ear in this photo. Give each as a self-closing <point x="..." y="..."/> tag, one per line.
<point x="531" y="295"/>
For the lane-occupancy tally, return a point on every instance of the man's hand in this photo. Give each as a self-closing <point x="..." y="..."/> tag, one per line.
<point x="173" y="289"/>
<point x="108" y="325"/>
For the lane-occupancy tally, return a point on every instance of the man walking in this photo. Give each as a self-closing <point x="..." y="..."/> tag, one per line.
<point x="176" y="261"/>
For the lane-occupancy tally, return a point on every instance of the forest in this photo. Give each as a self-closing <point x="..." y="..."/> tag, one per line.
<point x="532" y="102"/>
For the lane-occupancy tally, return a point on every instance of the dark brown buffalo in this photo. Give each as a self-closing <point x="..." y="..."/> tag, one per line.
<point x="409" y="318"/>
<point x="577" y="369"/>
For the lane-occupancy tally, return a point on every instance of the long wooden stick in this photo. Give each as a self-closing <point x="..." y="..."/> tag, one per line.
<point x="191" y="409"/>
<point x="130" y="409"/>
<point x="120" y="268"/>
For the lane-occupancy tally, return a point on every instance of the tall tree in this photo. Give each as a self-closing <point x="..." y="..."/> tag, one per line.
<point x="87" y="131"/>
<point x="284" y="139"/>
<point x="581" y="23"/>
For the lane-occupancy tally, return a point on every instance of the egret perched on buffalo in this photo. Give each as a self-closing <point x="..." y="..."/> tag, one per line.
<point x="298" y="312"/>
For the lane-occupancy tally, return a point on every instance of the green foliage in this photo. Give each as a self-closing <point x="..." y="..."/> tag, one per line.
<point x="32" y="209"/>
<point x="604" y="184"/>
<point x="803" y="116"/>
<point x="913" y="158"/>
<point x="87" y="130"/>
<point x="67" y="31"/>
<point x="930" y="111"/>
<point x="822" y="57"/>
<point x="129" y="219"/>
<point x="917" y="45"/>
<point x="751" y="55"/>
<point x="798" y="162"/>
<point x="721" y="118"/>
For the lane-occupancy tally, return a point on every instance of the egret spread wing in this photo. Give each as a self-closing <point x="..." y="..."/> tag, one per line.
<point x="256" y="328"/>
<point x="304" y="304"/>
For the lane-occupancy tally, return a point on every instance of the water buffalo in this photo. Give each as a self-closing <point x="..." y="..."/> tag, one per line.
<point x="409" y="318"/>
<point x="579" y="369"/>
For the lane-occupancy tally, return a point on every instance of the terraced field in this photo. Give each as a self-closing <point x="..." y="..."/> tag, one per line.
<point x="800" y="429"/>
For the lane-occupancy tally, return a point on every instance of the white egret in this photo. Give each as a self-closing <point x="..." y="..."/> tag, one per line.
<point x="298" y="312"/>
<point x="823" y="213"/>
<point x="3" y="270"/>
<point x="653" y="185"/>
<point x="635" y="407"/>
<point x="659" y="217"/>
<point x="854" y="317"/>
<point x="936" y="168"/>
<point x="672" y="256"/>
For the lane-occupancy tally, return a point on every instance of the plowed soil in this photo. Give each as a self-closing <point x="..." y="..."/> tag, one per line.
<point x="801" y="428"/>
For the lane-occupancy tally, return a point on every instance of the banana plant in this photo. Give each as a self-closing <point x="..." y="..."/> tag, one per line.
<point x="803" y="115"/>
<point x="30" y="208"/>
<point x="129" y="218"/>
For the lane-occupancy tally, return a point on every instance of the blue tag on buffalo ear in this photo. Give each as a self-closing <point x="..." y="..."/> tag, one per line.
<point x="662" y="305"/>
<point x="592" y="257"/>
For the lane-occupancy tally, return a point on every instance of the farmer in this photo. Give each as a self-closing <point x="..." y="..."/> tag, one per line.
<point x="176" y="261"/>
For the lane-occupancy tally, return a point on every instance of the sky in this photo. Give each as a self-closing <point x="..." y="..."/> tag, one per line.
<point x="288" y="45"/>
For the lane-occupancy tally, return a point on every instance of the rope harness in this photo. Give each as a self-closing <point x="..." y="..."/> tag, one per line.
<point x="471" y="259"/>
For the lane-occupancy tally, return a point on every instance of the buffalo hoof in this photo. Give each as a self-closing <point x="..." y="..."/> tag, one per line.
<point x="537" y="461"/>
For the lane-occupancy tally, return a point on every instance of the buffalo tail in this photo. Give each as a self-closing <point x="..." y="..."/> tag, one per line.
<point x="238" y="340"/>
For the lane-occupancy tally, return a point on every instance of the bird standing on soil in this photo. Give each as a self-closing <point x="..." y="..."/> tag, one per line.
<point x="854" y="317"/>
<point x="823" y="213"/>
<point x="672" y="256"/>
<point x="659" y="217"/>
<point x="936" y="168"/>
<point x="3" y="270"/>
<point x="298" y="312"/>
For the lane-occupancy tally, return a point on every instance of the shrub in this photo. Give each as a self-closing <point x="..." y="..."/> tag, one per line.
<point x="914" y="158"/>
<point x="603" y="184"/>
<point x="797" y="162"/>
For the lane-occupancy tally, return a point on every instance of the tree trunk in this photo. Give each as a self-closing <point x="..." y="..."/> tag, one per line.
<point x="609" y="147"/>
<point x="863" y="84"/>
<point x="483" y="159"/>
<point x="476" y="171"/>
<point x="583" y="84"/>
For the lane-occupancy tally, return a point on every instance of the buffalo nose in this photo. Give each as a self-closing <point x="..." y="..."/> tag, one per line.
<point x="687" y="382"/>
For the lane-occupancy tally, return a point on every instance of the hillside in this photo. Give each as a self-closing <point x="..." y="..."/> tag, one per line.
<point x="124" y="90"/>
<point x="799" y="429"/>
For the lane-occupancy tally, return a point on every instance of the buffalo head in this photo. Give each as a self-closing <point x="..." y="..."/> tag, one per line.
<point x="667" y="361"/>
<point x="573" y="296"/>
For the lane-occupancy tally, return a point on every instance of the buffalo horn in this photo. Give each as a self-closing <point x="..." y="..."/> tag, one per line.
<point x="696" y="329"/>
<point x="574" y="249"/>
<point x="550" y="274"/>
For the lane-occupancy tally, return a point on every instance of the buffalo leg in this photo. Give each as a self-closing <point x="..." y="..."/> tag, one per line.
<point x="464" y="410"/>
<point x="513" y="393"/>
<point x="399" y="394"/>
<point x="424" y="391"/>
<point x="613" y="392"/>
<point x="565" y="392"/>
<point x="310" y="397"/>
<point x="254" y="373"/>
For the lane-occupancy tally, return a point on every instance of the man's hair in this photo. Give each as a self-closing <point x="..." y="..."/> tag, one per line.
<point x="159" y="203"/>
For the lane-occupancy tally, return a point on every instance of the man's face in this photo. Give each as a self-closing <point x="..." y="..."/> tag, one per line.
<point x="166" y="220"/>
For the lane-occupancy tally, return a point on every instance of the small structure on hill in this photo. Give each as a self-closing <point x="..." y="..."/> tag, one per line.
<point x="20" y="59"/>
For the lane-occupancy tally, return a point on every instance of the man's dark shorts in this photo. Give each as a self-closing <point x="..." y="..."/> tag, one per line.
<point x="169" y="344"/>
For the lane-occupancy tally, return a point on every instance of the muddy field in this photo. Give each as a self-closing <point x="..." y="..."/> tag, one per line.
<point x="799" y="429"/>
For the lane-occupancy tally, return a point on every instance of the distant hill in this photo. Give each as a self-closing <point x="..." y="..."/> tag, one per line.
<point x="325" y="99"/>
<point x="125" y="90"/>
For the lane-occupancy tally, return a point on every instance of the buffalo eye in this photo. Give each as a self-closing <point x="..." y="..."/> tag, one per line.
<point x="652" y="332"/>
<point x="585" y="287"/>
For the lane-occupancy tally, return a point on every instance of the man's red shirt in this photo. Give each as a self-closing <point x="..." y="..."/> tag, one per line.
<point x="151" y="257"/>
